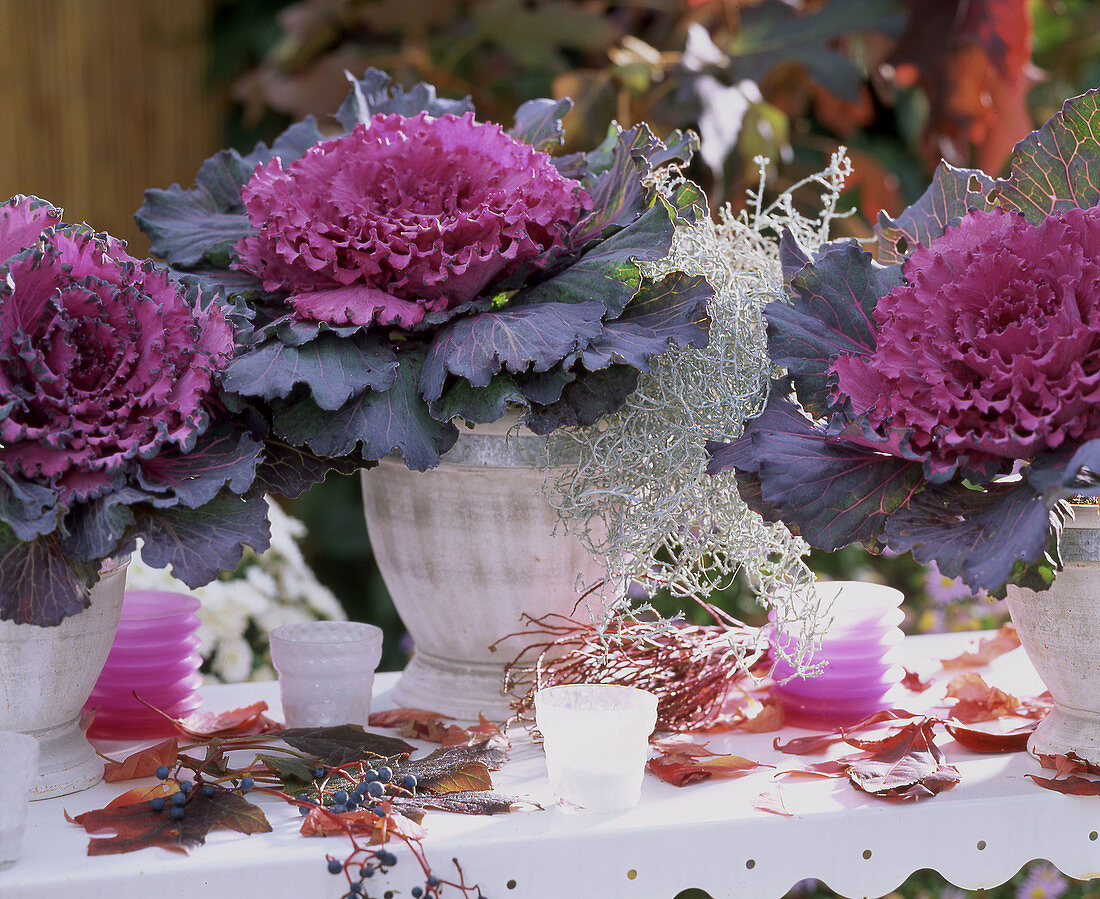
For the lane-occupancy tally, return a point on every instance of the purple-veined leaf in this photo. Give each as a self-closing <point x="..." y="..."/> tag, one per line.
<point x="618" y="195"/>
<point x="1057" y="167"/>
<point x="514" y="339"/>
<point x="334" y="368"/>
<point x="375" y="94"/>
<point x="38" y="585"/>
<point x="97" y="529"/>
<point x="538" y="123"/>
<point x="666" y="312"/>
<point x="585" y="399"/>
<point x="950" y="194"/>
<point x="831" y="312"/>
<point x="545" y="387"/>
<point x="343" y="744"/>
<point x="288" y="470"/>
<point x="609" y="272"/>
<point x="373" y="423"/>
<point x="187" y="227"/>
<point x="223" y="455"/>
<point x="200" y="543"/>
<point x="29" y="509"/>
<point x="827" y="489"/>
<point x="986" y="537"/>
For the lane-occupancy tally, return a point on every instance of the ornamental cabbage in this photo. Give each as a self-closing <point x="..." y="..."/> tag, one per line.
<point x="404" y="216"/>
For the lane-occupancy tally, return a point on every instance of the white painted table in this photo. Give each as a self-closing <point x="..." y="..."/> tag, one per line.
<point x="977" y="834"/>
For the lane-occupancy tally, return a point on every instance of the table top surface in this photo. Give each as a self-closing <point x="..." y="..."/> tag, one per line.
<point x="707" y="835"/>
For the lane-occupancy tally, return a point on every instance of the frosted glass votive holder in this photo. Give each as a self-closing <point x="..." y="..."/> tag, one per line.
<point x="596" y="738"/>
<point x="20" y="758"/>
<point x="326" y="671"/>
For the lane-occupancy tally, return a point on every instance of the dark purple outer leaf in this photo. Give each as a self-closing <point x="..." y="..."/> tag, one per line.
<point x="827" y="489"/>
<point x="343" y="744"/>
<point x="516" y="338"/>
<point x="223" y="455"/>
<point x="334" y="368"/>
<point x="373" y="423"/>
<point x="29" y="509"/>
<point x="986" y="538"/>
<point x="831" y="312"/>
<point x="288" y="470"/>
<point x="609" y="271"/>
<point x="545" y="387"/>
<point x="618" y="195"/>
<point x="538" y="123"/>
<point x="98" y="529"/>
<point x="666" y="312"/>
<point x="374" y="93"/>
<point x="1057" y="167"/>
<point x="584" y="400"/>
<point x="38" y="585"/>
<point x="200" y="543"/>
<point x="951" y="193"/>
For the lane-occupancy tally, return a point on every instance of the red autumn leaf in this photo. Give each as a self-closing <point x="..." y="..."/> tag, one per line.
<point x="243" y="722"/>
<point x="682" y="763"/>
<point x="909" y="768"/>
<point x="143" y="763"/>
<point x="322" y="823"/>
<point x="1070" y="763"/>
<point x="914" y="683"/>
<point x="771" y="800"/>
<point x="821" y="742"/>
<point x="1005" y="640"/>
<point x="973" y="62"/>
<point x="138" y="827"/>
<point x="397" y="717"/>
<point x="831" y="768"/>
<point x="977" y="740"/>
<point x="764" y="717"/>
<point x="978" y="701"/>
<point x="1073" y="785"/>
<point x="470" y="776"/>
<point x="143" y="794"/>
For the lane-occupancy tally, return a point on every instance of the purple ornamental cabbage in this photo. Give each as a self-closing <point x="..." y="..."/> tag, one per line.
<point x="991" y="346"/>
<point x="101" y="358"/>
<point x="404" y="216"/>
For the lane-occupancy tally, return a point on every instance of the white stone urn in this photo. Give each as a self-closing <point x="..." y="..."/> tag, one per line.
<point x="1060" y="632"/>
<point x="46" y="676"/>
<point x="466" y="550"/>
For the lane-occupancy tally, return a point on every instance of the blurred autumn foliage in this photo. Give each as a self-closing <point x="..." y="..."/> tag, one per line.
<point x="901" y="83"/>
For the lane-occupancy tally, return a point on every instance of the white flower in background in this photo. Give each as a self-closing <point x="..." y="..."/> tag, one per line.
<point x="239" y="610"/>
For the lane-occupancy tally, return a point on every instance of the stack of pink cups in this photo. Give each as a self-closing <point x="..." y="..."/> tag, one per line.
<point x="862" y="656"/>
<point x="155" y="655"/>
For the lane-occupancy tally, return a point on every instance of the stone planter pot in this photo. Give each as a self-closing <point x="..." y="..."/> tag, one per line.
<point x="1060" y="632"/>
<point x="466" y="550"/>
<point x="46" y="676"/>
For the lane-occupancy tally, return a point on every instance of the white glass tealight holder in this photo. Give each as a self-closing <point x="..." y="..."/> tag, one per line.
<point x="20" y="756"/>
<point x="596" y="738"/>
<point x="326" y="671"/>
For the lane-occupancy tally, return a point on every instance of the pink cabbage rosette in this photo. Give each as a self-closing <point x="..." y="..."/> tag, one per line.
<point x="404" y="216"/>
<point x="102" y="360"/>
<point x="990" y="348"/>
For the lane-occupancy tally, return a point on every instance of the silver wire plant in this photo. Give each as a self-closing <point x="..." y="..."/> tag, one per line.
<point x="640" y="496"/>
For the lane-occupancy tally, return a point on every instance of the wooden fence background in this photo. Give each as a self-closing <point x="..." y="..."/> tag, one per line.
<point x="101" y="99"/>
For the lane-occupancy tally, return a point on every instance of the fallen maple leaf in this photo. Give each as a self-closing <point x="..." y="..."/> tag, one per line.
<point x="914" y="683"/>
<point x="908" y="765"/>
<point x="343" y="744"/>
<point x="682" y="763"/>
<point x="143" y="763"/>
<point x="821" y="742"/>
<point x="978" y="701"/>
<point x="397" y="717"/>
<point x="1074" y="785"/>
<point x="138" y="827"/>
<point x="248" y="721"/>
<point x="977" y="740"/>
<point x="1070" y="763"/>
<point x="143" y="794"/>
<point x="1004" y="640"/>
<point x="323" y="823"/>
